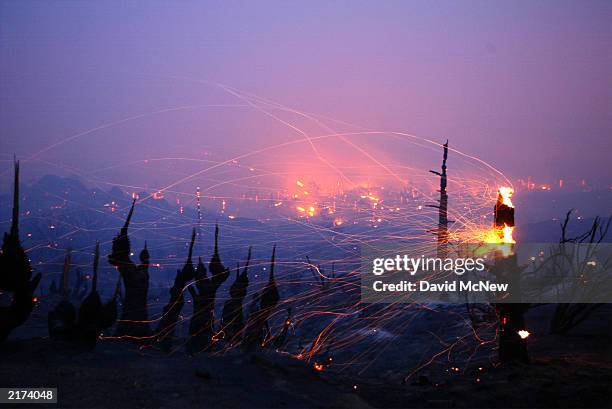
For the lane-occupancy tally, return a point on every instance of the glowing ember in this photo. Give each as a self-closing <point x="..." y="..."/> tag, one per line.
<point x="523" y="334"/>
<point x="318" y="367"/>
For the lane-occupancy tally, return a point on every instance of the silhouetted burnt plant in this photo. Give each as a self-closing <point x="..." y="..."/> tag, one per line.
<point x="257" y="331"/>
<point x="134" y="315"/>
<point x="172" y="310"/>
<point x="80" y="287"/>
<point x="90" y="312"/>
<point x="233" y="317"/>
<point x="201" y="327"/>
<point x="110" y="309"/>
<point x="62" y="319"/>
<point x="95" y="317"/>
<point x="16" y="279"/>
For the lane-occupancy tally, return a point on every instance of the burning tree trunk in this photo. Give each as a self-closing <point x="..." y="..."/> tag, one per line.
<point x="15" y="273"/>
<point x="232" y="317"/>
<point x="442" y="230"/>
<point x="512" y="333"/>
<point x="172" y="310"/>
<point x="134" y="316"/>
<point x="255" y="333"/>
<point x="201" y="327"/>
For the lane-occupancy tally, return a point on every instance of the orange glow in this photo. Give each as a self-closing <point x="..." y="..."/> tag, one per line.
<point x="311" y="211"/>
<point x="506" y="195"/>
<point x="318" y="367"/>
<point x="500" y="235"/>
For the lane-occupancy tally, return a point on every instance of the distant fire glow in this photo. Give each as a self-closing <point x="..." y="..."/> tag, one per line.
<point x="524" y="334"/>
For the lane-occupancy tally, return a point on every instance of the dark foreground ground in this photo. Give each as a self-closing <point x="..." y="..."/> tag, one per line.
<point x="115" y="376"/>
<point x="574" y="370"/>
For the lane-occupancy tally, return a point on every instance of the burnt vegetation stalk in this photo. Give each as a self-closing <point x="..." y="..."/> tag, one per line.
<point x="15" y="273"/>
<point x="134" y="315"/>
<point x="441" y="231"/>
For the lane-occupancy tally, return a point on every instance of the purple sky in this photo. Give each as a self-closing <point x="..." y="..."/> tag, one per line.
<point x="524" y="85"/>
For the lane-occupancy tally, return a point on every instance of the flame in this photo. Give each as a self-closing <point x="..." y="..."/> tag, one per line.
<point x="318" y="367"/>
<point x="500" y="235"/>
<point x="507" y="235"/>
<point x="506" y="195"/>
<point x="523" y="334"/>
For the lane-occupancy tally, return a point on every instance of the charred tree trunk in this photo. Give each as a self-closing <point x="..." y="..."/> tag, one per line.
<point x="442" y="230"/>
<point x="134" y="315"/>
<point x="512" y="346"/>
<point x="15" y="273"/>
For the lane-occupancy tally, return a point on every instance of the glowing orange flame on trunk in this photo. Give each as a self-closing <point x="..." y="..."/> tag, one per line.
<point x="502" y="235"/>
<point x="506" y="194"/>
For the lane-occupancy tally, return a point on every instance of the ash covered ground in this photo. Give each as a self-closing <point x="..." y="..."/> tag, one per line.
<point x="574" y="370"/>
